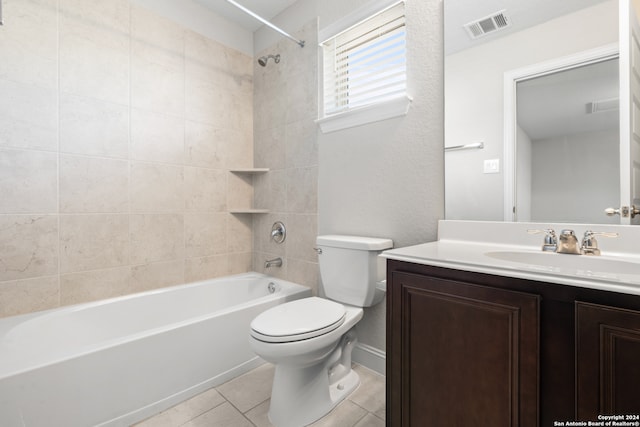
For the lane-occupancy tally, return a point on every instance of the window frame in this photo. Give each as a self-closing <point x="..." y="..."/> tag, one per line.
<point x="356" y="116"/>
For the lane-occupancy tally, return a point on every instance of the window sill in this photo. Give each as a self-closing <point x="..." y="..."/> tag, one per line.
<point x="361" y="116"/>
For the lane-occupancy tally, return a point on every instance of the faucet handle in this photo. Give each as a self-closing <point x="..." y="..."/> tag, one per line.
<point x="590" y="244"/>
<point x="550" y="239"/>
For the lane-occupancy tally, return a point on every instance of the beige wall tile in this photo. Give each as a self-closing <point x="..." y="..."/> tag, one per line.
<point x="240" y="229"/>
<point x="204" y="268"/>
<point x="301" y="144"/>
<point x="28" y="116"/>
<point x="304" y="273"/>
<point x="28" y="246"/>
<point x="29" y="43"/>
<point x="156" y="237"/>
<point x="302" y="190"/>
<point x="270" y="190"/>
<point x="156" y="31"/>
<point x="94" y="49"/>
<point x="96" y="147"/>
<point x="205" y="234"/>
<point x="205" y="189"/>
<point x="89" y="242"/>
<point x="156" y="188"/>
<point x="240" y="262"/>
<point x="240" y="191"/>
<point x="157" y="137"/>
<point x="304" y="230"/>
<point x="157" y="63"/>
<point x="239" y="148"/>
<point x="206" y="145"/>
<point x="28" y="181"/>
<point x="92" y="127"/>
<point x="93" y="185"/>
<point x="157" y="80"/>
<point x="204" y="102"/>
<point x="94" y="285"/>
<point x="271" y="149"/>
<point x="26" y="296"/>
<point x="157" y="275"/>
<point x="204" y="56"/>
<point x="111" y="15"/>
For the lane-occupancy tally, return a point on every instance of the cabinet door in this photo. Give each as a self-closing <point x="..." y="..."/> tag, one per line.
<point x="469" y="354"/>
<point x="608" y="361"/>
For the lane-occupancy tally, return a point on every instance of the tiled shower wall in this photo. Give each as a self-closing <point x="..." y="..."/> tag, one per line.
<point x="285" y="141"/>
<point x="117" y="130"/>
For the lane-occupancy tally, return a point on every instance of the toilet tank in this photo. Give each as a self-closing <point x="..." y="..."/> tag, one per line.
<point x="350" y="267"/>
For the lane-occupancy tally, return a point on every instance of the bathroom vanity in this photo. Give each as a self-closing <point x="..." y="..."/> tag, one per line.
<point x="501" y="334"/>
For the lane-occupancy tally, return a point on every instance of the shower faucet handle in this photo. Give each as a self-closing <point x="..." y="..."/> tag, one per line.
<point x="278" y="232"/>
<point x="550" y="239"/>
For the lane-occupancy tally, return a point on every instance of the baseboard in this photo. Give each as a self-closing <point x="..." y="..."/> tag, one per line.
<point x="370" y="357"/>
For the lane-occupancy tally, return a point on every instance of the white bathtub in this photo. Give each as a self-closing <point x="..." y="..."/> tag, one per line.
<point x="121" y="360"/>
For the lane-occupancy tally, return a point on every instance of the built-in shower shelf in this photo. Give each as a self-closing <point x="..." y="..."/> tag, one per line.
<point x="250" y="170"/>
<point x="249" y="211"/>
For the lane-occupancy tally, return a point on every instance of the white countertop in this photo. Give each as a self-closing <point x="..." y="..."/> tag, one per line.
<point x="612" y="271"/>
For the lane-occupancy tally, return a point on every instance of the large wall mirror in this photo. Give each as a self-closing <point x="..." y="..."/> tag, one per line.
<point x="532" y="111"/>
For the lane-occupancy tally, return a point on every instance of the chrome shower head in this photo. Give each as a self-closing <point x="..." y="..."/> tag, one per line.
<point x="264" y="59"/>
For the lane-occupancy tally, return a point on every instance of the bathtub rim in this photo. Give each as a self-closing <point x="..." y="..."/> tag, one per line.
<point x="8" y="323"/>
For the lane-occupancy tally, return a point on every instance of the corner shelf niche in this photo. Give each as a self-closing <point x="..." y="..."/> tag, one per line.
<point x="248" y="171"/>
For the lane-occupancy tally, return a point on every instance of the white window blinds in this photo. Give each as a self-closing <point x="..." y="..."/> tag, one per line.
<point x="366" y="63"/>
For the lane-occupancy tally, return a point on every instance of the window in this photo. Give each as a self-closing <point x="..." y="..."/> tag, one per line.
<point x="365" y="64"/>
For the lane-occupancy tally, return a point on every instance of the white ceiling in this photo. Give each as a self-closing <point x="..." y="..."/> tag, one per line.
<point x="267" y="9"/>
<point x="523" y="14"/>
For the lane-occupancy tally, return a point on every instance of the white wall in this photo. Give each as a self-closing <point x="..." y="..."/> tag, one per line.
<point x="474" y="98"/>
<point x="383" y="179"/>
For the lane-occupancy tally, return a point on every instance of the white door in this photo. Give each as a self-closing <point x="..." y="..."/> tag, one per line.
<point x="629" y="110"/>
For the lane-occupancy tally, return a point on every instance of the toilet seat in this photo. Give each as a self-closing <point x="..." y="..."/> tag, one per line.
<point x="298" y="320"/>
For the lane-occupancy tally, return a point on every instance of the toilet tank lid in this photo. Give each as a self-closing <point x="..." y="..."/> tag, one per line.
<point x="354" y="242"/>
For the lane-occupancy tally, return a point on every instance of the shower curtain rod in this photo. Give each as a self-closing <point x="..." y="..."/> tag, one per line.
<point x="267" y="23"/>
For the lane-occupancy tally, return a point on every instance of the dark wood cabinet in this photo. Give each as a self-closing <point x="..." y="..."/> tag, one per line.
<point x="478" y="348"/>
<point x="607" y="361"/>
<point x="473" y="349"/>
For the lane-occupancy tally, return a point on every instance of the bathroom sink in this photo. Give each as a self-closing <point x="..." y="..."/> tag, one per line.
<point x="583" y="263"/>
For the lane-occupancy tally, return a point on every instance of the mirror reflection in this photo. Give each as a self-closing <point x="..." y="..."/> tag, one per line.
<point x="567" y="145"/>
<point x="567" y="173"/>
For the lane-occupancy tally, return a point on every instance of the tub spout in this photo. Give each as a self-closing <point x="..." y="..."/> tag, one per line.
<point x="276" y="262"/>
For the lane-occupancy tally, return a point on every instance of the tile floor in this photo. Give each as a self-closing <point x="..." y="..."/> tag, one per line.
<point x="244" y="402"/>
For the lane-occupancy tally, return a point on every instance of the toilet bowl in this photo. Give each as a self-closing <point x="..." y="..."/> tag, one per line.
<point x="313" y="368"/>
<point x="310" y="340"/>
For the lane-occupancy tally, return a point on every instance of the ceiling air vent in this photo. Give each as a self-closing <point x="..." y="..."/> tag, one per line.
<point x="487" y="25"/>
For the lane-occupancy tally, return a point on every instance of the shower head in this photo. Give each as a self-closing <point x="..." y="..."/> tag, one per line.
<point x="264" y="59"/>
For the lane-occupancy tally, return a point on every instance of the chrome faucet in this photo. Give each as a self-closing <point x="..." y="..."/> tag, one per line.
<point x="276" y="262"/>
<point x="568" y="243"/>
<point x="550" y="240"/>
<point x="590" y="244"/>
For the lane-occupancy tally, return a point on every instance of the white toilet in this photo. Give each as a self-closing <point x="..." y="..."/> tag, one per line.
<point x="310" y="340"/>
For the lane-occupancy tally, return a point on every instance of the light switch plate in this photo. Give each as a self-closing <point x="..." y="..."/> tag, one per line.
<point x="492" y="166"/>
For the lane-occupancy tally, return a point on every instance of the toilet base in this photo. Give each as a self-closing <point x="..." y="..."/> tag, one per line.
<point x="302" y="395"/>
<point x="312" y="402"/>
